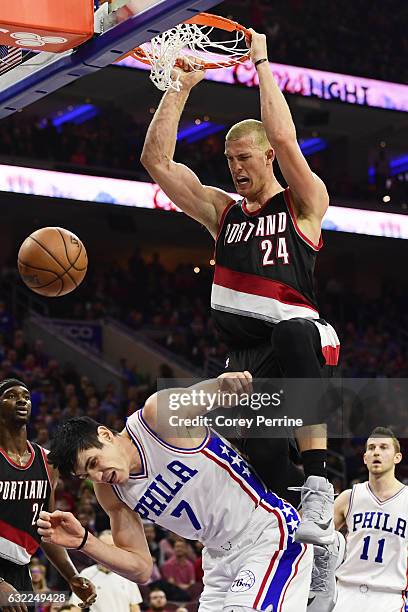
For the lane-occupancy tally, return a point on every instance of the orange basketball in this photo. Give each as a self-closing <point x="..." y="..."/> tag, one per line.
<point x="52" y="261"/>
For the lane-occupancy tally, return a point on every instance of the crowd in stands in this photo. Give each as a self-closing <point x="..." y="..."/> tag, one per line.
<point x="346" y="37"/>
<point x="329" y="36"/>
<point x="59" y="392"/>
<point x="175" y="583"/>
<point x="372" y="332"/>
<point x="173" y="311"/>
<point x="101" y="142"/>
<point x="180" y="321"/>
<point x="111" y="146"/>
<point x="341" y="37"/>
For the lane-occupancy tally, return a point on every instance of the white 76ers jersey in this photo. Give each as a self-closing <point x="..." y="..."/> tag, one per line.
<point x="208" y="493"/>
<point x="377" y="540"/>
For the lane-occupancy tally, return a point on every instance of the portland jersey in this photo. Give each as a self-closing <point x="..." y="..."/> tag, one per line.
<point x="263" y="272"/>
<point x="208" y="493"/>
<point x="24" y="492"/>
<point x="377" y="540"/>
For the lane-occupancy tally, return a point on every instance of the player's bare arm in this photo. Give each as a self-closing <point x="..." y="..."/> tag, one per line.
<point x="59" y="557"/>
<point x="7" y="589"/>
<point x="341" y="507"/>
<point x="186" y="403"/>
<point x="309" y="194"/>
<point x="130" y="557"/>
<point x="183" y="187"/>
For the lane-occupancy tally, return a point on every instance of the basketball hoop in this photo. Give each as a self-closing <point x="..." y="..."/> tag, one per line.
<point x="193" y="39"/>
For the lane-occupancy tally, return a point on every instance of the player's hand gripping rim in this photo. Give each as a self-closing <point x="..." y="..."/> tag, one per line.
<point x="233" y="384"/>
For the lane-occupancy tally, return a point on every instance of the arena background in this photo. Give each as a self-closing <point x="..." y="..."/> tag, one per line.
<point x="142" y="311"/>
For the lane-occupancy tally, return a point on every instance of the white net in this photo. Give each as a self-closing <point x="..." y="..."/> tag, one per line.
<point x="194" y="42"/>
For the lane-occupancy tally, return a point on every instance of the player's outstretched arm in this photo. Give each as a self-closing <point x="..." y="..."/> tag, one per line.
<point x="7" y="593"/>
<point x="197" y="400"/>
<point x="310" y="195"/>
<point x="130" y="557"/>
<point x="223" y="391"/>
<point x="171" y="412"/>
<point x="204" y="204"/>
<point x="341" y="507"/>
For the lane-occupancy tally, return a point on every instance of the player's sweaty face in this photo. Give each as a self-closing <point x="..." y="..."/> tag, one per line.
<point x="248" y="165"/>
<point x="15" y="405"/>
<point x="379" y="455"/>
<point x="103" y="465"/>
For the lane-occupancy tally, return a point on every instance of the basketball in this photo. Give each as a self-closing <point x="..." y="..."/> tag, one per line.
<point x="52" y="261"/>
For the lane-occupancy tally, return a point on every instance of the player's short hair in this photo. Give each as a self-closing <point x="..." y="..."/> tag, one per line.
<point x="75" y="435"/>
<point x="8" y="383"/>
<point x="385" y="432"/>
<point x="253" y="127"/>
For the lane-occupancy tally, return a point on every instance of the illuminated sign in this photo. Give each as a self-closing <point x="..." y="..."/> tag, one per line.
<point x="311" y="83"/>
<point x="149" y="195"/>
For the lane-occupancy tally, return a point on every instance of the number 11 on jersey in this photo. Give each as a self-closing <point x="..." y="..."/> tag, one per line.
<point x="380" y="550"/>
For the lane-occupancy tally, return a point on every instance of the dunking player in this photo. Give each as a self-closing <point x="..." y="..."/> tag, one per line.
<point x="193" y="483"/>
<point x="263" y="300"/>
<point x="374" y="573"/>
<point x="26" y="487"/>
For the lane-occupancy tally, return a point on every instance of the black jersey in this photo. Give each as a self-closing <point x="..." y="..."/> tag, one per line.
<point x="263" y="272"/>
<point x="24" y="492"/>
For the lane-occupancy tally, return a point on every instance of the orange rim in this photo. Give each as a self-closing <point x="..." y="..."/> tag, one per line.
<point x="214" y="21"/>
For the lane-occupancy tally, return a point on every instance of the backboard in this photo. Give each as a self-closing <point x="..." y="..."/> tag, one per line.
<point x="119" y="27"/>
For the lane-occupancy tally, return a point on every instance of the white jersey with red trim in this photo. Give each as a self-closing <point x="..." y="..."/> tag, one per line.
<point x="264" y="274"/>
<point x="208" y="493"/>
<point x="377" y="540"/>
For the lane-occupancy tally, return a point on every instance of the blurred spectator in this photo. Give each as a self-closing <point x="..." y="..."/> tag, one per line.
<point x="72" y="409"/>
<point x="39" y="354"/>
<point x="43" y="438"/>
<point x="6" y="319"/>
<point x="198" y="563"/>
<point x="157" y="601"/>
<point x="109" y="403"/>
<point x="64" y="500"/>
<point x="179" y="570"/>
<point x="38" y="577"/>
<point x="151" y="537"/>
<point x="113" y="591"/>
<point x="86" y="514"/>
<point x="21" y="347"/>
<point x="166" y="546"/>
